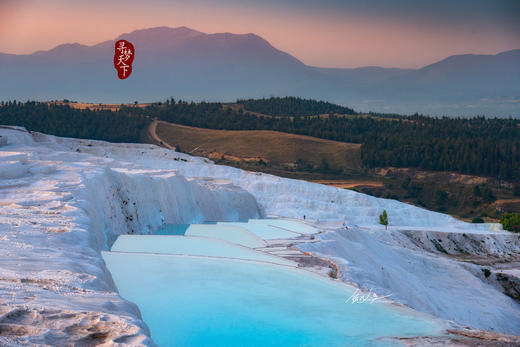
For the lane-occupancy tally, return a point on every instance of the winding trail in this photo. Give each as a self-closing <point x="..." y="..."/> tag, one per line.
<point x="152" y="130"/>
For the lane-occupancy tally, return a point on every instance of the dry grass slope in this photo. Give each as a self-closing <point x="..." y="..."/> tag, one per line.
<point x="275" y="148"/>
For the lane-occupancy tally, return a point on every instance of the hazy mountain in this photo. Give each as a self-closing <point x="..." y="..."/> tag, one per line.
<point x="188" y="64"/>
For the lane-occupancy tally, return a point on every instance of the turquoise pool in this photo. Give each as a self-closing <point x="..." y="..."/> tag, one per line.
<point x="266" y="232"/>
<point x="286" y="224"/>
<point x="229" y="233"/>
<point x="206" y="285"/>
<point x="193" y="246"/>
<point x="173" y="229"/>
<point x="266" y="229"/>
<point x="218" y="302"/>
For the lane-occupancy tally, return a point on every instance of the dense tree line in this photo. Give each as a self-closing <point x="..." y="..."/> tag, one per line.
<point x="61" y="120"/>
<point x="479" y="146"/>
<point x="292" y="106"/>
<point x="475" y="146"/>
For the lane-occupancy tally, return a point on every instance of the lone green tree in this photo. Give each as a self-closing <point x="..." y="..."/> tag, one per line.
<point x="511" y="222"/>
<point x="383" y="219"/>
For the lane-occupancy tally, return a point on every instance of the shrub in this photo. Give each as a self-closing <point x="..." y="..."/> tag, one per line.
<point x="486" y="272"/>
<point x="511" y="222"/>
<point x="383" y="219"/>
<point x="477" y="220"/>
<point x="324" y="165"/>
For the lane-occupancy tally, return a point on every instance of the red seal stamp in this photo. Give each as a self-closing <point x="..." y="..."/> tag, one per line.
<point x="123" y="58"/>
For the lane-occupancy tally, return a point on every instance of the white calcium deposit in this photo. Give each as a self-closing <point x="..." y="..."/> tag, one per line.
<point x="62" y="201"/>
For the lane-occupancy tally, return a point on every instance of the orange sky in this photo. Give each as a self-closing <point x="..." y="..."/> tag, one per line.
<point x="329" y="36"/>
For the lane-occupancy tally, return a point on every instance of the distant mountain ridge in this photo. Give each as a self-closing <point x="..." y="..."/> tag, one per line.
<point x="188" y="64"/>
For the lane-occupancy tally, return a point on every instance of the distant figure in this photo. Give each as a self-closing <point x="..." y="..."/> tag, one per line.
<point x="303" y="217"/>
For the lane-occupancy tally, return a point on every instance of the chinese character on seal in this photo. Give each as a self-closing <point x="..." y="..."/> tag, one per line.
<point x="123" y="58"/>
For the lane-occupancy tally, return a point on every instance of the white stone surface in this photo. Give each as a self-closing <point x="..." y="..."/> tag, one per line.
<point x="74" y="197"/>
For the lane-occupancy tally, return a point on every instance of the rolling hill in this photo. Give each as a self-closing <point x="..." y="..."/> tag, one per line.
<point x="273" y="150"/>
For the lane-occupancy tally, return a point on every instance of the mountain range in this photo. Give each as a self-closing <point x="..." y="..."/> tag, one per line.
<point x="191" y="65"/>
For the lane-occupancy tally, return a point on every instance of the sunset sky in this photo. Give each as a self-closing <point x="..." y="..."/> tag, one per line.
<point x="328" y="33"/>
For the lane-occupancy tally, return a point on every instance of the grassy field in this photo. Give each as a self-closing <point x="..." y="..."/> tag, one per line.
<point x="270" y="149"/>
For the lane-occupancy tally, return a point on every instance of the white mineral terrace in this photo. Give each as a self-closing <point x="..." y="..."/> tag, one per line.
<point x="64" y="202"/>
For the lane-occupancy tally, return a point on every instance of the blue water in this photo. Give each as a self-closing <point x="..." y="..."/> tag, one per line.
<point x="228" y="233"/>
<point x="189" y="301"/>
<point x="204" y="285"/>
<point x="173" y="229"/>
<point x="286" y="224"/>
<point x="266" y="232"/>
<point x="197" y="246"/>
<point x="267" y="229"/>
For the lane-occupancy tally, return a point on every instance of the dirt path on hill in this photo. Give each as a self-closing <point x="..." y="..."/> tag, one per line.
<point x="152" y="130"/>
